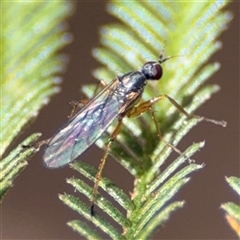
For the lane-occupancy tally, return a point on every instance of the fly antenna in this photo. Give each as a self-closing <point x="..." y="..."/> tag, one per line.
<point x="162" y="60"/>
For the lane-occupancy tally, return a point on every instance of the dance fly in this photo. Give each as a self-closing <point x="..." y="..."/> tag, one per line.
<point x="116" y="100"/>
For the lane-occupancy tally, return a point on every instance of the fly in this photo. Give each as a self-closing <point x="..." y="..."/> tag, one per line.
<point x="116" y="100"/>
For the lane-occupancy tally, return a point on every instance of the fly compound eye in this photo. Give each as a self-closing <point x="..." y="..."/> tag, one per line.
<point x="152" y="70"/>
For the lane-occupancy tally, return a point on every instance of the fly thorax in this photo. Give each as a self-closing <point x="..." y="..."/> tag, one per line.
<point x="132" y="82"/>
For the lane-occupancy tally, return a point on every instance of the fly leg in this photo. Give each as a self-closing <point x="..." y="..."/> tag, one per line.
<point x="103" y="163"/>
<point x="37" y="145"/>
<point x="78" y="104"/>
<point x="75" y="105"/>
<point x="181" y="109"/>
<point x="101" y="83"/>
<point x="143" y="107"/>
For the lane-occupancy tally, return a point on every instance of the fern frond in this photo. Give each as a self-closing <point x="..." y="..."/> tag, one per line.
<point x="32" y="35"/>
<point x="14" y="163"/>
<point x="232" y="209"/>
<point x="190" y="31"/>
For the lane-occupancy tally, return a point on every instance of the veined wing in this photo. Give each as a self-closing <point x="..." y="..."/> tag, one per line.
<point x="84" y="129"/>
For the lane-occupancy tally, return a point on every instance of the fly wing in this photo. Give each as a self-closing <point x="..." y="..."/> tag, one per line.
<point x="84" y="129"/>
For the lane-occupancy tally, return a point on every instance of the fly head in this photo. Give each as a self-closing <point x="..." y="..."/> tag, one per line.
<point x="152" y="70"/>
